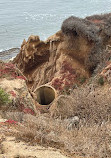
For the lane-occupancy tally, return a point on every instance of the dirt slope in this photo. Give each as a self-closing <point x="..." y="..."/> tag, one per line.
<point x="13" y="149"/>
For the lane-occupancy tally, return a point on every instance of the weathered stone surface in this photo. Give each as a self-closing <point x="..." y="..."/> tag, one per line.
<point x="80" y="44"/>
<point x="43" y="61"/>
<point x="69" y="57"/>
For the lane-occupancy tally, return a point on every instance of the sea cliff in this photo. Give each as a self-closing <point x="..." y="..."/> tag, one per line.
<point x="57" y="92"/>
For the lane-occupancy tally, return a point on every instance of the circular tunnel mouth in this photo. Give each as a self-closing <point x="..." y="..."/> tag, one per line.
<point x="45" y="95"/>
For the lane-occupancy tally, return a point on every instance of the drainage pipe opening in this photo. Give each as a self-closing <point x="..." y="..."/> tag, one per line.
<point x="45" y="95"/>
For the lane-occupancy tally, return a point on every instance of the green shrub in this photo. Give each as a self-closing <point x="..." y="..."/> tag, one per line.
<point x="82" y="79"/>
<point x="4" y="97"/>
<point x="101" y="81"/>
<point x="76" y="26"/>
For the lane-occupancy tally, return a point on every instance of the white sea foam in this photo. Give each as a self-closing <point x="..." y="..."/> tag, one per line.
<point x="11" y="59"/>
<point x="1" y="50"/>
<point x="47" y="17"/>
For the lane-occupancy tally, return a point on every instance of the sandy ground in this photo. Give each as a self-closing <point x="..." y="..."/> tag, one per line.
<point x="13" y="149"/>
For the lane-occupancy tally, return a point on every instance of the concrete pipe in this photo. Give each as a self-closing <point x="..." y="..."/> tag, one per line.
<point x="45" y="96"/>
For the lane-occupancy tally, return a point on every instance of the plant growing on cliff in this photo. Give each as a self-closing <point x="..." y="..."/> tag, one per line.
<point x="76" y="26"/>
<point x="68" y="77"/>
<point x="4" y="97"/>
<point x="9" y="70"/>
<point x="82" y="79"/>
<point x="101" y="81"/>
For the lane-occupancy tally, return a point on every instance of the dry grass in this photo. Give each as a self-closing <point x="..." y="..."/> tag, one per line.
<point x="90" y="139"/>
<point x="2" y="138"/>
<point x="86" y="141"/>
<point x="92" y="104"/>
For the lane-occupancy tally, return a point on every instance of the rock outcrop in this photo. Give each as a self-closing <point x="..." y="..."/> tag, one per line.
<point x="63" y="118"/>
<point x="67" y="58"/>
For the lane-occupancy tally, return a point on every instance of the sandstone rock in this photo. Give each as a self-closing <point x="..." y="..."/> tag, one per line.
<point x="33" y="51"/>
<point x="80" y="43"/>
<point x="44" y="62"/>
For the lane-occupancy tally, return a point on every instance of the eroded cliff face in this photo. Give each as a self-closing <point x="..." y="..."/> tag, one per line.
<point x="65" y="59"/>
<point x="55" y="60"/>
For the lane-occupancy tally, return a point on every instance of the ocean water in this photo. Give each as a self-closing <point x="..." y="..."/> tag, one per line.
<point x="21" y="18"/>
